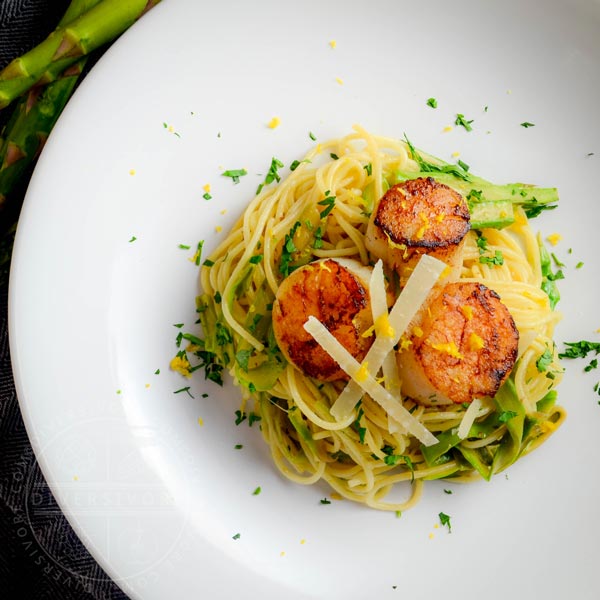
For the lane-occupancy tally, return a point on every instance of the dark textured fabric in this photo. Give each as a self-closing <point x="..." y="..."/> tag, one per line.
<point x="40" y="555"/>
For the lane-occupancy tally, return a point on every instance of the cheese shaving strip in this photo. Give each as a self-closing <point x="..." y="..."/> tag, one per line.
<point x="367" y="382"/>
<point x="416" y="290"/>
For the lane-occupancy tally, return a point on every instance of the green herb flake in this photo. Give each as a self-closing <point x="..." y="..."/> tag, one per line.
<point x="157" y="372"/>
<point x="184" y="389"/>
<point x="432" y="102"/>
<point x="328" y="202"/>
<point x="527" y="124"/>
<point x="445" y="521"/>
<point x="447" y="491"/>
<point x="461" y="121"/>
<point x="239" y="446"/>
<point x="257" y="491"/>
<point x="198" y="253"/>
<point x="580" y="349"/>
<point x="312" y="136"/>
<point x="240" y="417"/>
<point x="579" y="265"/>
<point x="544" y="360"/>
<point x="132" y="239"/>
<point x="325" y="501"/>
<point x="254" y="260"/>
<point x="496" y="260"/>
<point x="207" y="196"/>
<point x="235" y="537"/>
<point x="334" y="156"/>
<point x="208" y="263"/>
<point x="234" y="174"/>
<point x="184" y="247"/>
<point x="368" y="168"/>
<point x="464" y="166"/>
<point x="593" y="365"/>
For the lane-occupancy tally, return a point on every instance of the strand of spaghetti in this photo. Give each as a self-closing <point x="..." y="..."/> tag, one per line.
<point x="366" y="381"/>
<point x="416" y="290"/>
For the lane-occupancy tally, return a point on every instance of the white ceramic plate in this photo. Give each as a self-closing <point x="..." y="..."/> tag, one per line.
<point x="189" y="91"/>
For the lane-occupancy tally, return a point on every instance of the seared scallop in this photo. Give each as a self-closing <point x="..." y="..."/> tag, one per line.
<point x="336" y="292"/>
<point x="462" y="345"/>
<point x="416" y="217"/>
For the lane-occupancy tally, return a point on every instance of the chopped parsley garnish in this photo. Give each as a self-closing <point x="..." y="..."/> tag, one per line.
<point x="239" y="446"/>
<point x="296" y="163"/>
<point x="318" y="243"/>
<point x="328" y="202"/>
<point x="198" y="253"/>
<point x="533" y="207"/>
<point x="184" y="247"/>
<point x="432" y="102"/>
<point x="579" y="265"/>
<point x="184" y="389"/>
<point x="527" y="124"/>
<point x="272" y="175"/>
<point x="368" y="168"/>
<point x="544" y="360"/>
<point x="235" y="537"/>
<point x="256" y="259"/>
<point x="234" y="174"/>
<point x="593" y="365"/>
<point x="132" y="239"/>
<point x="240" y="417"/>
<point x="190" y="337"/>
<point x="463" y="165"/>
<point x="445" y="521"/>
<point x="495" y="260"/>
<point x="208" y="263"/>
<point x="447" y="491"/>
<point x="257" y="491"/>
<point x="325" y="501"/>
<point x="475" y="195"/>
<point x="285" y="268"/>
<point x="334" y="156"/>
<point x="206" y="196"/>
<point x="462" y="122"/>
<point x="253" y="418"/>
<point x="361" y="430"/>
<point x="580" y="349"/>
<point x="312" y="136"/>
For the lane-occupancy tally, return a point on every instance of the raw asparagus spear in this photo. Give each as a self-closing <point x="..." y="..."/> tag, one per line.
<point x="100" y="24"/>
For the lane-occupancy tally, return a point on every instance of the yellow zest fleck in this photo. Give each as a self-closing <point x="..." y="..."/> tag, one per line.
<point x="282" y="553"/>
<point x="319" y="148"/>
<point x="192" y="347"/>
<point x="447" y="129"/>
<point x="218" y="229"/>
<point x="597" y="330"/>
<point x="439" y="218"/>
<point x="181" y="364"/>
<point x="333" y="44"/>
<point x="449" y="348"/>
<point x="455" y="154"/>
<point x="75" y="478"/>
<point x="303" y="541"/>
<point x="147" y="386"/>
<point x="475" y="342"/>
<point x="195" y="257"/>
<point x="520" y="218"/>
<point x="383" y="327"/>
<point x="417" y="331"/>
<point x="339" y="80"/>
<point x="467" y="311"/>
<point x="223" y="211"/>
<point x="323" y="265"/>
<point x="363" y="373"/>
<point x="431" y="536"/>
<point x="132" y="172"/>
<point x="403" y="204"/>
<point x="446" y="272"/>
<point x="200" y="421"/>
<point x="171" y="129"/>
<point x="405" y="344"/>
<point x="421" y="231"/>
<point x="554" y="238"/>
<point x="336" y="496"/>
<point x="547" y="427"/>
<point x="206" y="188"/>
<point x="274" y="122"/>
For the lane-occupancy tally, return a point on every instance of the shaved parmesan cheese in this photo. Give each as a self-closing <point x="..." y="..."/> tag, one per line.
<point x="467" y="421"/>
<point x="416" y="290"/>
<point x="354" y="369"/>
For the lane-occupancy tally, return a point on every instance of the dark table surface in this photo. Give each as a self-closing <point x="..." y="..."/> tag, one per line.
<point x="40" y="556"/>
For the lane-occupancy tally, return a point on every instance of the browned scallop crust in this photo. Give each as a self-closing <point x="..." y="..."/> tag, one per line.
<point x="423" y="214"/>
<point x="337" y="298"/>
<point x="464" y="313"/>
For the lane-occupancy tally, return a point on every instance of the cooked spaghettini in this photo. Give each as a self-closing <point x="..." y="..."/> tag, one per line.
<point x="390" y="317"/>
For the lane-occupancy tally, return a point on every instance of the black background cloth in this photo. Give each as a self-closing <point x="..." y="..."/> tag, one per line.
<point x="40" y="555"/>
